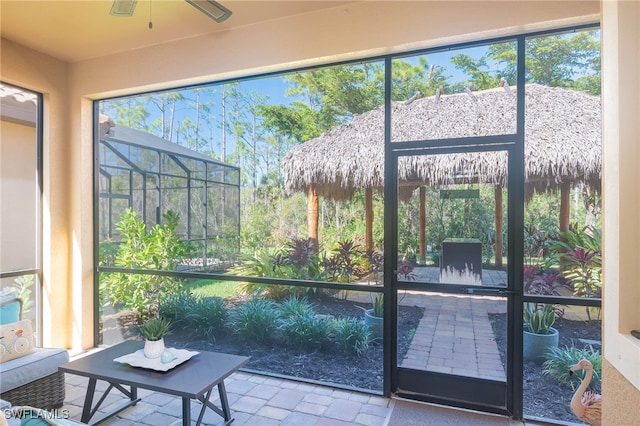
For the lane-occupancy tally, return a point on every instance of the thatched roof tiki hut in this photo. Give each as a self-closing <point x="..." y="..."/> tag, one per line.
<point x="562" y="145"/>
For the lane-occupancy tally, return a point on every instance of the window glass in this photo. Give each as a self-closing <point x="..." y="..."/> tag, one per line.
<point x="20" y="194"/>
<point x="563" y="220"/>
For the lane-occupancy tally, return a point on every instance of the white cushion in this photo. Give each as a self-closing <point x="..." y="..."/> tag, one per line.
<point x="41" y="363"/>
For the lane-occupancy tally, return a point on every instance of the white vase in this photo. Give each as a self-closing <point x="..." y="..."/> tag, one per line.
<point x="153" y="348"/>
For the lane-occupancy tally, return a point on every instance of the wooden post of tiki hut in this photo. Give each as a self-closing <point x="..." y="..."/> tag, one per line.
<point x="423" y="227"/>
<point x="499" y="242"/>
<point x="565" y="204"/>
<point x="312" y="214"/>
<point x="369" y="217"/>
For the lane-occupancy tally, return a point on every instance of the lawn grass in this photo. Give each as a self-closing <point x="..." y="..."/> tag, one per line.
<point x="214" y="288"/>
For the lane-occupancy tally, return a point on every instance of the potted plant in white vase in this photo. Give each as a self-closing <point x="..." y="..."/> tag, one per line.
<point x="539" y="335"/>
<point x="153" y="330"/>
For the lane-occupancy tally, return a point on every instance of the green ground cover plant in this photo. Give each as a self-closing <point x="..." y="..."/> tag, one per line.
<point x="256" y="319"/>
<point x="194" y="315"/>
<point x="351" y="334"/>
<point x="306" y="330"/>
<point x="560" y="359"/>
<point x="295" y="306"/>
<point x="300" y="325"/>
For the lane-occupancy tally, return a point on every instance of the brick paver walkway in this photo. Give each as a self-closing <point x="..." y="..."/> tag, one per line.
<point x="455" y="336"/>
<point x="265" y="401"/>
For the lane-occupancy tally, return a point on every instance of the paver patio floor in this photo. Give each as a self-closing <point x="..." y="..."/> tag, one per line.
<point x="257" y="400"/>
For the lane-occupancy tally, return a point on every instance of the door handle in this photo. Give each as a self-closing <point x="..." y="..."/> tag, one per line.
<point x="488" y="291"/>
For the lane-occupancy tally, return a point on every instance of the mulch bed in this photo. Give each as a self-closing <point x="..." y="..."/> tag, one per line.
<point x="330" y="364"/>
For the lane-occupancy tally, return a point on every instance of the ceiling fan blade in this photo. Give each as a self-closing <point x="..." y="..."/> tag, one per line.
<point x="211" y="8"/>
<point x="123" y="7"/>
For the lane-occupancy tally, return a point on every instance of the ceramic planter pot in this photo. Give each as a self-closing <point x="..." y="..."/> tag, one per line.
<point x="374" y="324"/>
<point x="535" y="346"/>
<point x="153" y="348"/>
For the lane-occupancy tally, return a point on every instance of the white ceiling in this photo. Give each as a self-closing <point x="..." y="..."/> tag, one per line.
<point x="82" y="29"/>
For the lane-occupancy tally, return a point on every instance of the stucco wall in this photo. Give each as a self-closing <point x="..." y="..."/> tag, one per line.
<point x="46" y="75"/>
<point x="346" y="32"/>
<point x="620" y="401"/>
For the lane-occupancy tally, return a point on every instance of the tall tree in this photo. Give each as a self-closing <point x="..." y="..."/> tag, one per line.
<point x="245" y="126"/>
<point x="476" y="69"/>
<point x="297" y="122"/>
<point x="166" y="104"/>
<point x="192" y="128"/>
<point x="334" y="95"/>
<point x="338" y="92"/>
<point x="409" y="78"/>
<point x="571" y="62"/>
<point x="128" y="112"/>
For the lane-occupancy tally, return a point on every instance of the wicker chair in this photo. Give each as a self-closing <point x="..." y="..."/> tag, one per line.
<point x="47" y="393"/>
<point x="33" y="379"/>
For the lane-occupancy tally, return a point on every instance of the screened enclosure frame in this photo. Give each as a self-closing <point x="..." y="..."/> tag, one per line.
<point x="140" y="171"/>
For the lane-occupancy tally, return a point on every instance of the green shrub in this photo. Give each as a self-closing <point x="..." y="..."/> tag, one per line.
<point x="207" y="317"/>
<point x="351" y="334"/>
<point x="301" y="259"/>
<point x="256" y="320"/>
<point x="540" y="317"/>
<point x="559" y="360"/>
<point x="258" y="265"/>
<point x="305" y="330"/>
<point x="261" y="264"/>
<point x="154" y="249"/>
<point x="22" y="287"/>
<point x="177" y="306"/>
<point x="295" y="306"/>
<point x="377" y="305"/>
<point x="194" y="315"/>
<point x="300" y="325"/>
<point x="580" y="253"/>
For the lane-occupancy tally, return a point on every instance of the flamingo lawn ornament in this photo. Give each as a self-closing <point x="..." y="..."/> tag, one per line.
<point x="586" y="405"/>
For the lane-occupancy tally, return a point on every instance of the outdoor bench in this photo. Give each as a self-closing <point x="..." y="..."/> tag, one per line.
<point x="28" y="374"/>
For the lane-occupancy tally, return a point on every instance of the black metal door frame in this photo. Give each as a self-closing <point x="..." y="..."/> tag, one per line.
<point x="473" y="393"/>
